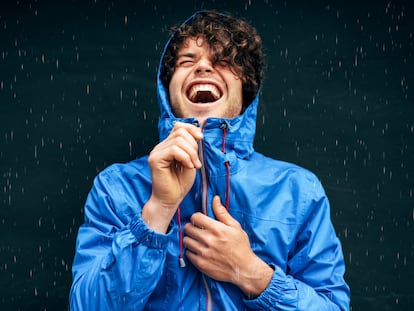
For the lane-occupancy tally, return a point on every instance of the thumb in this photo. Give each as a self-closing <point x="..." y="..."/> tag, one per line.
<point x="222" y="214"/>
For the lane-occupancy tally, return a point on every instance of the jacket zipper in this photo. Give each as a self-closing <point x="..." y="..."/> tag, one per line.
<point x="204" y="208"/>
<point x="203" y="173"/>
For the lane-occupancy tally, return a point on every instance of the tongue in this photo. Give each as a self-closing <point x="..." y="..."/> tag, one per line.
<point x="204" y="97"/>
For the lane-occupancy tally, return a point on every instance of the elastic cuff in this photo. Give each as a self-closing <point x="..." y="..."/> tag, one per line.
<point x="147" y="236"/>
<point x="281" y="291"/>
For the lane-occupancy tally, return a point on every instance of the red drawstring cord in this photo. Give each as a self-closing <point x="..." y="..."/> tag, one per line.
<point x="180" y="230"/>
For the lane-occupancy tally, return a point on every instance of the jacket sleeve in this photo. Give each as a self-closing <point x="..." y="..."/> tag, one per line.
<point x="118" y="259"/>
<point x="314" y="277"/>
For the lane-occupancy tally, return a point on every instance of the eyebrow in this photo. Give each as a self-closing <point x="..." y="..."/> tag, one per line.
<point x="192" y="55"/>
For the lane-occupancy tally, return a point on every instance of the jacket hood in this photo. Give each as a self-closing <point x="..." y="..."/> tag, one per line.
<point x="241" y="129"/>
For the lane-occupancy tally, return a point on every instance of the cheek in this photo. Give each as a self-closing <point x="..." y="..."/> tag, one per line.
<point x="236" y="88"/>
<point x="236" y="97"/>
<point x="234" y="82"/>
<point x="173" y="91"/>
<point x="171" y="87"/>
<point x="176" y="83"/>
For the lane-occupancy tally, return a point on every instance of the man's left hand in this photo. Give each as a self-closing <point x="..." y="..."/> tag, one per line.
<point x="221" y="249"/>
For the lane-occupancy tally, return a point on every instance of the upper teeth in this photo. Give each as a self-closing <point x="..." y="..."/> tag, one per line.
<point x="192" y="93"/>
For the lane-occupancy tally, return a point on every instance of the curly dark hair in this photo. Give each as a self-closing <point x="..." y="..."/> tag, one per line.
<point x="228" y="38"/>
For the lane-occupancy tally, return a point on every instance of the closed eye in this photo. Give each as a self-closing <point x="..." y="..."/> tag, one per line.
<point x="185" y="63"/>
<point x="185" y="60"/>
<point x="222" y="63"/>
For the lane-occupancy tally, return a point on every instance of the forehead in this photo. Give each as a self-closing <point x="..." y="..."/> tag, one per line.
<point x="194" y="43"/>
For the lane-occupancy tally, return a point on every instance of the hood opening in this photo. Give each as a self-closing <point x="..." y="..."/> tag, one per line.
<point x="244" y="51"/>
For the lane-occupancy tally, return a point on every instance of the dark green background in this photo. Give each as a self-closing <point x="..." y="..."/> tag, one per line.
<point x="77" y="92"/>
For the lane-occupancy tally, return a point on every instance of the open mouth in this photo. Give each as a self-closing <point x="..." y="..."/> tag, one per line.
<point x="203" y="93"/>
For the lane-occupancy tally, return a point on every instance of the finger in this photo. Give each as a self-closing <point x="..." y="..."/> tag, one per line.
<point x="203" y="222"/>
<point x="194" y="131"/>
<point x="194" y="258"/>
<point x="193" y="231"/>
<point x="186" y="136"/>
<point x="192" y="245"/>
<point x="180" y="146"/>
<point x="164" y="156"/>
<point x="184" y="152"/>
<point x="222" y="214"/>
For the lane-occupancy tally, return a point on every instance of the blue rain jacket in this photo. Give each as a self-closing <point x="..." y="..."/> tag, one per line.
<point x="121" y="264"/>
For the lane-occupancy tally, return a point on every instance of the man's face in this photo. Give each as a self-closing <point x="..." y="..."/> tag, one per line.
<point x="199" y="89"/>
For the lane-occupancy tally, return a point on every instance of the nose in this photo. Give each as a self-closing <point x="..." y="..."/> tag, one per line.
<point x="204" y="66"/>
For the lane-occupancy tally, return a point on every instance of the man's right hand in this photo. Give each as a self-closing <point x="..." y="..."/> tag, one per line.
<point x="173" y="164"/>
